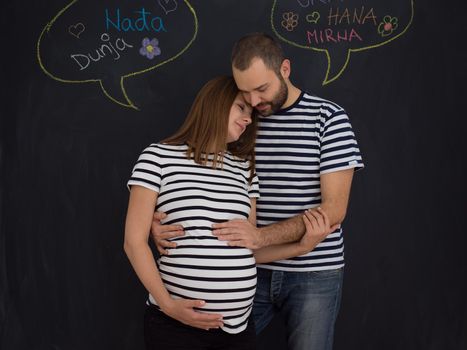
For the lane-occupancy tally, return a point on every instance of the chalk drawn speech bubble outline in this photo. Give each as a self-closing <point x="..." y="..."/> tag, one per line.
<point x="128" y="103"/>
<point x="326" y="51"/>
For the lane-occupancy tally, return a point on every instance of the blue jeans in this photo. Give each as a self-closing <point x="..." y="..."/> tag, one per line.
<point x="308" y="301"/>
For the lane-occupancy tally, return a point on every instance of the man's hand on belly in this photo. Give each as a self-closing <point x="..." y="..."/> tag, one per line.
<point x="162" y="233"/>
<point x="239" y="233"/>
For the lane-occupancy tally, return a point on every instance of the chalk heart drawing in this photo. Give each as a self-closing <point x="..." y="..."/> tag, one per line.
<point x="168" y="5"/>
<point x="304" y="3"/>
<point x="313" y="17"/>
<point x="76" y="29"/>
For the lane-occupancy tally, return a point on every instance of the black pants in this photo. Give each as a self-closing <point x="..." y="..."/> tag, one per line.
<point x="164" y="333"/>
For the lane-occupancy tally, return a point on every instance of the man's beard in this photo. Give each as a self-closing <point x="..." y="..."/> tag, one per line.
<point x="277" y="101"/>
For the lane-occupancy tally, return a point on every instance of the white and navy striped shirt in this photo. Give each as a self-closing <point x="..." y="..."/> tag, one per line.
<point x="197" y="196"/>
<point x="294" y="147"/>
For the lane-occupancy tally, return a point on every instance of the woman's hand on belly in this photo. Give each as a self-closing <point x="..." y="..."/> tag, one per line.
<point x="183" y="311"/>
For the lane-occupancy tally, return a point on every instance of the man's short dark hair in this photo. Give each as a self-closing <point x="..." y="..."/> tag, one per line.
<point x="257" y="45"/>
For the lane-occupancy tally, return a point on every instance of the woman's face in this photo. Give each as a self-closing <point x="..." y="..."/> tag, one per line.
<point x="239" y="118"/>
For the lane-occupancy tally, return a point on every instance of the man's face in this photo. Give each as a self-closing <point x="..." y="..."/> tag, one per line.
<point x="261" y="87"/>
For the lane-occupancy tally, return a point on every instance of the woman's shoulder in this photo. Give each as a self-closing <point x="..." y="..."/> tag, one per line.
<point x="169" y="146"/>
<point x="161" y="152"/>
<point x="161" y="148"/>
<point x="236" y="160"/>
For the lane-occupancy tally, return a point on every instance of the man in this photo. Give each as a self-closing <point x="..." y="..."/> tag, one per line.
<point x="306" y="154"/>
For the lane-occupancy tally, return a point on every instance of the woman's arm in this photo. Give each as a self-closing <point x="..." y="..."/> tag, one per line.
<point x="138" y="223"/>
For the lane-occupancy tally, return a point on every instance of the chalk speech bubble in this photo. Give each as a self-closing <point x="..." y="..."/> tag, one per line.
<point x="109" y="41"/>
<point x="339" y="27"/>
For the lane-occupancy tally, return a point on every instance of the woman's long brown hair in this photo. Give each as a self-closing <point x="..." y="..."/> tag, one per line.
<point x="206" y="126"/>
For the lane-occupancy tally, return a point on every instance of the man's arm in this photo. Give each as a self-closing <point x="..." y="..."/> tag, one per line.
<point x="317" y="228"/>
<point x="335" y="191"/>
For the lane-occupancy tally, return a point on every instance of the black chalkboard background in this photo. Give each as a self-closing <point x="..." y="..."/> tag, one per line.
<point x="67" y="151"/>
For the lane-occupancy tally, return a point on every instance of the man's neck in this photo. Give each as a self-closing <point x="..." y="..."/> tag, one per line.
<point x="292" y="96"/>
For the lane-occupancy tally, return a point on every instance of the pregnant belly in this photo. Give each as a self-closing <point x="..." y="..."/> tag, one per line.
<point x="224" y="278"/>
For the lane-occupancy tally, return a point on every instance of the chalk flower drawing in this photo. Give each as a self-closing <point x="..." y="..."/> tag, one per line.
<point x="387" y="26"/>
<point x="149" y="48"/>
<point x="290" y="21"/>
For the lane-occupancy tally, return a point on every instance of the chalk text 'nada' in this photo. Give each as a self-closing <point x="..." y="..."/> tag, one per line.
<point x="142" y="22"/>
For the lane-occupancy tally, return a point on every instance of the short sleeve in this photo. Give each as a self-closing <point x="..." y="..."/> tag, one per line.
<point x="147" y="170"/>
<point x="253" y="189"/>
<point x="339" y="148"/>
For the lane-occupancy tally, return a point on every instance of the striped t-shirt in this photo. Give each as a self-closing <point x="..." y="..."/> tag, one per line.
<point x="294" y="147"/>
<point x="197" y="196"/>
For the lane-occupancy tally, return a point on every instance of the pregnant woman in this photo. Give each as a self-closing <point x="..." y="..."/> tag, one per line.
<point x="201" y="294"/>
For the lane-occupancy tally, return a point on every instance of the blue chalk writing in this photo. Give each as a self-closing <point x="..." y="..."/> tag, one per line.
<point x="143" y="22"/>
